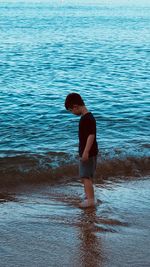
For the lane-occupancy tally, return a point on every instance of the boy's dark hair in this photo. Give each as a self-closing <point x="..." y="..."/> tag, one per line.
<point x="73" y="99"/>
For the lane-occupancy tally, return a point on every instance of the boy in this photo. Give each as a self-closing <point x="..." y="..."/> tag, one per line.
<point x="88" y="148"/>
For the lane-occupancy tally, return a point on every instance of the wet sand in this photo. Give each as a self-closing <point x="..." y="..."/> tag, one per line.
<point x="43" y="226"/>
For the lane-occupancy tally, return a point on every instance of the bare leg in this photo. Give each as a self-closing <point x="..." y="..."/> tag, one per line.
<point x="89" y="193"/>
<point x="88" y="188"/>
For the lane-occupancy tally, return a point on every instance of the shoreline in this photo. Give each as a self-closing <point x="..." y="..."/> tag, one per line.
<point x="43" y="226"/>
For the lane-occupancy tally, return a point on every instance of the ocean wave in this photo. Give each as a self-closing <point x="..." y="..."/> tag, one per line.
<point x="56" y="167"/>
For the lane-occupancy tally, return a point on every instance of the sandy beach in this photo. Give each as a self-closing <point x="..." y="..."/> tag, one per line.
<point x="43" y="226"/>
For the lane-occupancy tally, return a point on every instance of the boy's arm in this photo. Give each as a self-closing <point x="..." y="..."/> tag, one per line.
<point x="88" y="146"/>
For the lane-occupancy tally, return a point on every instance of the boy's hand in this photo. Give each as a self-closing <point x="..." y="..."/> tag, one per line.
<point x="85" y="156"/>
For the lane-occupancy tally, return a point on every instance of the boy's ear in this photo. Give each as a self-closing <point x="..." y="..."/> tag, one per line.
<point x="75" y="106"/>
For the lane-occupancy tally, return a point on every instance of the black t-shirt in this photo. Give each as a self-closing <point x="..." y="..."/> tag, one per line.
<point x="87" y="126"/>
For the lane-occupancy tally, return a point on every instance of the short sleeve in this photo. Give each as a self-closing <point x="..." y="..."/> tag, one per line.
<point x="91" y="125"/>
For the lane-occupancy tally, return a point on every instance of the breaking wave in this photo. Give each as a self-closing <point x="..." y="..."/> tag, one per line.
<point x="56" y="167"/>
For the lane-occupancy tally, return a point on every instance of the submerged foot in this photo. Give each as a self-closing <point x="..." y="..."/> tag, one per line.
<point x="88" y="203"/>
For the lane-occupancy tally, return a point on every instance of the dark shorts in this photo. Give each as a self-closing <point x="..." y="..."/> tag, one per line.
<point x="87" y="168"/>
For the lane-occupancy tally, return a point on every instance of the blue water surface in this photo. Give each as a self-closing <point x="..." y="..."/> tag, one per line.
<point x="48" y="50"/>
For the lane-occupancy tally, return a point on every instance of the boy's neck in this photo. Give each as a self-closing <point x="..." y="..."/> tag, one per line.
<point x="84" y="110"/>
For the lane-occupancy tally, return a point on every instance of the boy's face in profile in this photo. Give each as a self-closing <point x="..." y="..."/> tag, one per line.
<point x="76" y="110"/>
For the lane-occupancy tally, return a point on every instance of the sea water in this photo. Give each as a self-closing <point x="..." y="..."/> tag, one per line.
<point x="49" y="49"/>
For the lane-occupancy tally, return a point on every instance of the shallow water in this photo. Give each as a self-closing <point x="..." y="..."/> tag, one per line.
<point x="43" y="225"/>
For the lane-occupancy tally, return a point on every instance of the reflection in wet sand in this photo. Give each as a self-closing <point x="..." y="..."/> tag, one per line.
<point x="91" y="246"/>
